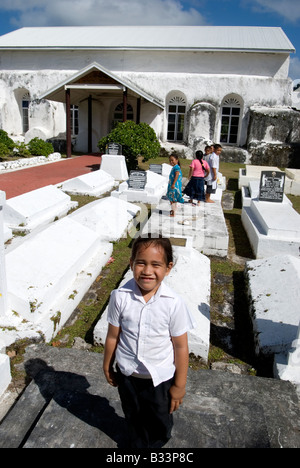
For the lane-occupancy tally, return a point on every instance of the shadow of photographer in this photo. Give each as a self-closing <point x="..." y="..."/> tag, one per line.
<point x="70" y="391"/>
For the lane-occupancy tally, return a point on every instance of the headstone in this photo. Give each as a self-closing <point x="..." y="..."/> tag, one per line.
<point x="157" y="168"/>
<point x="3" y="283"/>
<point x="115" y="165"/>
<point x="113" y="148"/>
<point x="272" y="186"/>
<point x="137" y="180"/>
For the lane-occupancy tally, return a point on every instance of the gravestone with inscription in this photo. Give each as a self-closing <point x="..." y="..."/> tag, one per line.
<point x="271" y="187"/>
<point x="113" y="149"/>
<point x="272" y="225"/>
<point x="137" y="180"/>
<point x="157" y="168"/>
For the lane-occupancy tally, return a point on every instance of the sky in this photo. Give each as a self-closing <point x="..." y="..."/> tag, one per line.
<point x="15" y="14"/>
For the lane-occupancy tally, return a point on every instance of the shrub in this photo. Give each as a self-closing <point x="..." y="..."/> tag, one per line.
<point x="4" y="151"/>
<point x="21" y="149"/>
<point x="6" y="144"/>
<point x="39" y="147"/>
<point x="136" y="140"/>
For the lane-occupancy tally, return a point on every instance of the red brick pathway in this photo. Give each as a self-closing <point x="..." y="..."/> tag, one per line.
<point x="25" y="180"/>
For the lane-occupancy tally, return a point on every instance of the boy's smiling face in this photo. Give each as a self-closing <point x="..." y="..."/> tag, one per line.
<point x="149" y="269"/>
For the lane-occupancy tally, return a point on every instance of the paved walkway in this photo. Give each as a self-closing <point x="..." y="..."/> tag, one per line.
<point x="21" y="181"/>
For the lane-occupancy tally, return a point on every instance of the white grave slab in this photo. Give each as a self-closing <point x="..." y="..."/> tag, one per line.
<point x="272" y="228"/>
<point x="287" y="365"/>
<point x="5" y="375"/>
<point x="294" y="176"/>
<point x="156" y="187"/>
<point x="36" y="208"/>
<point x="3" y="280"/>
<point x="109" y="217"/>
<point x="114" y="165"/>
<point x="251" y="173"/>
<point x="93" y="184"/>
<point x="204" y="224"/>
<point x="195" y="291"/>
<point x="274" y="293"/>
<point x="48" y="274"/>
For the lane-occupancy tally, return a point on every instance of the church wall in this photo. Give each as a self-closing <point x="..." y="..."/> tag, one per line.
<point x="257" y="79"/>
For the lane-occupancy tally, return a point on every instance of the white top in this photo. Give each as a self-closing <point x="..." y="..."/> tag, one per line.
<point x="213" y="161"/>
<point x="145" y="345"/>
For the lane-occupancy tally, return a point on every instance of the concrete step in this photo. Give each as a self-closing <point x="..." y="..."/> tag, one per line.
<point x="69" y="404"/>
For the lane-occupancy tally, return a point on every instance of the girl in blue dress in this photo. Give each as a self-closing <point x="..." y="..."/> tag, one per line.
<point x="174" y="192"/>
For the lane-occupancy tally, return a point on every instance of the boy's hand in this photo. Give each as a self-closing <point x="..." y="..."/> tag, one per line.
<point x="111" y="377"/>
<point x="177" y="394"/>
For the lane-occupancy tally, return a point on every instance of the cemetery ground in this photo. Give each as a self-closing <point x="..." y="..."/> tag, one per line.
<point x="231" y="338"/>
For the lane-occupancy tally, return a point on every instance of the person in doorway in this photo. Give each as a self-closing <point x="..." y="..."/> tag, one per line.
<point x="174" y="192"/>
<point x="147" y="336"/>
<point x="212" y="179"/>
<point x="199" y="169"/>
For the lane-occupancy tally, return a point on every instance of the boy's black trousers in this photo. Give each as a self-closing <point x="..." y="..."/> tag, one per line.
<point x="146" y="409"/>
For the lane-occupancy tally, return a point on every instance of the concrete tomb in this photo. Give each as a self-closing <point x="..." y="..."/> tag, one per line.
<point x="274" y="295"/>
<point x="252" y="173"/>
<point x="109" y="217"/>
<point x="36" y="208"/>
<point x="195" y="291"/>
<point x="294" y="176"/>
<point x="115" y="165"/>
<point x="48" y="274"/>
<point x="271" y="223"/>
<point x="205" y="224"/>
<point x="93" y="184"/>
<point x="5" y="375"/>
<point x="287" y="365"/>
<point x="154" y="189"/>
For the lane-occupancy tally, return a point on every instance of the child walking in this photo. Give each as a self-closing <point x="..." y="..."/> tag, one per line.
<point x="211" y="180"/>
<point x="174" y="192"/>
<point x="199" y="169"/>
<point x="147" y="336"/>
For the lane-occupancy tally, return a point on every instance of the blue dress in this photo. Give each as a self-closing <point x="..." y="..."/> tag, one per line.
<point x="175" y="195"/>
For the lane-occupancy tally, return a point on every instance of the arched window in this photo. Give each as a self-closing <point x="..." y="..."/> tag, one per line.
<point x="25" y="112"/>
<point x="176" y="118"/>
<point x="230" y="120"/>
<point x="118" y="113"/>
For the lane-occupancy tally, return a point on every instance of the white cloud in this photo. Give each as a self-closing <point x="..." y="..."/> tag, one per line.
<point x="288" y="9"/>
<point x="101" y="12"/>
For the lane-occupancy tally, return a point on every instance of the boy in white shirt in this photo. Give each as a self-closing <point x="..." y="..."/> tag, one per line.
<point x="147" y="335"/>
<point x="211" y="180"/>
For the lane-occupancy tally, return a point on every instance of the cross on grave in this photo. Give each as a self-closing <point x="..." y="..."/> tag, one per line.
<point x="3" y="282"/>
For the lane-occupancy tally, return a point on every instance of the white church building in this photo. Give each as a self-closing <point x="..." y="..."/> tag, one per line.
<point x="191" y="84"/>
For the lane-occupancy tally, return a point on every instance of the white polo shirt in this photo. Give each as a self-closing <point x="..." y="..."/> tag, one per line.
<point x="145" y="345"/>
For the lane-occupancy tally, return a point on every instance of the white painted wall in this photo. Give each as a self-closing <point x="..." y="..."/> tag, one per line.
<point x="208" y="77"/>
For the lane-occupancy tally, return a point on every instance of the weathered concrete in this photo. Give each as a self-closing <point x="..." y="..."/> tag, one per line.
<point x="205" y="224"/>
<point x="69" y="404"/>
<point x="36" y="208"/>
<point x="93" y="184"/>
<point x="274" y="292"/>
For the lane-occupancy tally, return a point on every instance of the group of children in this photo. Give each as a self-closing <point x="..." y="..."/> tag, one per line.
<point x="203" y="171"/>
<point x="146" y="354"/>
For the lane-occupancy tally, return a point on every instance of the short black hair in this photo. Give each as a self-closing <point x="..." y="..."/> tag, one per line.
<point x="145" y="242"/>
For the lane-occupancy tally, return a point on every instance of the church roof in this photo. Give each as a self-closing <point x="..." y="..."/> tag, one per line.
<point x="206" y="38"/>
